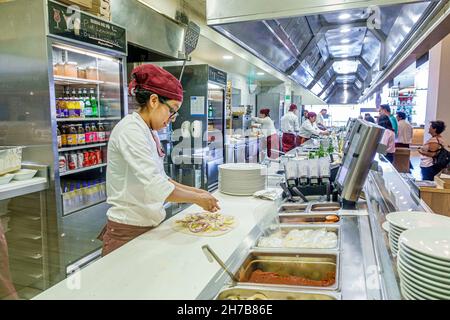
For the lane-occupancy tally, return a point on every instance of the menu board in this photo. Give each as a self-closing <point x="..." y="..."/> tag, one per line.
<point x="70" y="23"/>
<point x="217" y="76"/>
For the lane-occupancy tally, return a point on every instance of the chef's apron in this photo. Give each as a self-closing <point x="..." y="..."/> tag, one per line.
<point x="273" y="143"/>
<point x="302" y="140"/>
<point x="114" y="234"/>
<point x="7" y="290"/>
<point x="288" y="142"/>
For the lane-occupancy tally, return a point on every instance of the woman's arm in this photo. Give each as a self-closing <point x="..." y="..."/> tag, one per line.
<point x="202" y="199"/>
<point x="187" y="188"/>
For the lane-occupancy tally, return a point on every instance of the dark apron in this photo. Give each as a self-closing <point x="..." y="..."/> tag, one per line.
<point x="114" y="235"/>
<point x="288" y="141"/>
<point x="302" y="140"/>
<point x="273" y="143"/>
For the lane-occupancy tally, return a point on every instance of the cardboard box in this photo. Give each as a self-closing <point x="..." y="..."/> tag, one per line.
<point x="83" y="4"/>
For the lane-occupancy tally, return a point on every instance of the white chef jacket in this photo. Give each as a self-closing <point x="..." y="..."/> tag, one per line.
<point x="308" y="129"/>
<point x="289" y="123"/>
<point x="267" y="126"/>
<point x="136" y="183"/>
<point x="405" y="132"/>
<point x="319" y="119"/>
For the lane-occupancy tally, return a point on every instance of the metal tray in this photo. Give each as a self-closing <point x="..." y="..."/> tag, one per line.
<point x="306" y="264"/>
<point x="307" y="219"/>
<point x="245" y="292"/>
<point x="293" y="208"/>
<point x="325" y="207"/>
<point x="285" y="228"/>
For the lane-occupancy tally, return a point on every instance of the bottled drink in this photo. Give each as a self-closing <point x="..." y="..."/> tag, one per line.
<point x="210" y="111"/>
<point x="101" y="133"/>
<point x="87" y="105"/>
<point x="81" y="102"/>
<point x="64" y="133"/>
<point x="72" y="137"/>
<point x="59" y="137"/>
<point x="81" y="138"/>
<point x="94" y="104"/>
<point x="88" y="134"/>
<point x="94" y="133"/>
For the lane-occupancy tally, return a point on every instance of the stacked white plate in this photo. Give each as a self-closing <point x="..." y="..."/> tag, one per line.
<point x="424" y="263"/>
<point x="402" y="221"/>
<point x="241" y="179"/>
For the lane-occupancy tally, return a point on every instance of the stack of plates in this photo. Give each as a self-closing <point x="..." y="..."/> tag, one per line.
<point x="424" y="263"/>
<point x="241" y="179"/>
<point x="402" y="221"/>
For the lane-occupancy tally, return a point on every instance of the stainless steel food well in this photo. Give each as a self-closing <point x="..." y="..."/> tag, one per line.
<point x="309" y="218"/>
<point x="308" y="265"/>
<point x="243" y="292"/>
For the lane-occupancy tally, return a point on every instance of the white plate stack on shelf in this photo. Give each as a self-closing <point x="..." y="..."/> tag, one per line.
<point x="241" y="179"/>
<point x="399" y="222"/>
<point x="423" y="263"/>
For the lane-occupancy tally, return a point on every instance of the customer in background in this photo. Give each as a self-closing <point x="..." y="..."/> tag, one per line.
<point x="290" y="127"/>
<point x="369" y="118"/>
<point x="405" y="131"/>
<point x="430" y="149"/>
<point x="388" y="138"/>
<point x="309" y="128"/>
<point x="305" y="115"/>
<point x="321" y="119"/>
<point x="385" y="109"/>
<point x="267" y="127"/>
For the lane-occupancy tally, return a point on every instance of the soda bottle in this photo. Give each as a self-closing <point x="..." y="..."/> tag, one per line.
<point x="94" y="133"/>
<point x="87" y="105"/>
<point x="81" y="102"/>
<point x="64" y="132"/>
<point x="81" y="137"/>
<point x="101" y="133"/>
<point x="87" y="133"/>
<point x="94" y="104"/>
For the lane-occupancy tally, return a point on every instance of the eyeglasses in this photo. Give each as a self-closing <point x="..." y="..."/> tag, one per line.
<point x="173" y="113"/>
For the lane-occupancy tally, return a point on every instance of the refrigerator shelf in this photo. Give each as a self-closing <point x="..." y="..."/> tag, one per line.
<point x="61" y="80"/>
<point x="82" y="169"/>
<point x="87" y="146"/>
<point x="88" y="119"/>
<point x="84" y="207"/>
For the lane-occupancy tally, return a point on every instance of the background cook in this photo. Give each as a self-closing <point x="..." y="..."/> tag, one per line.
<point x="137" y="185"/>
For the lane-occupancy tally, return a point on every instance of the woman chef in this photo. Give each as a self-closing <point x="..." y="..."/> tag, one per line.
<point x="265" y="123"/>
<point x="137" y="185"/>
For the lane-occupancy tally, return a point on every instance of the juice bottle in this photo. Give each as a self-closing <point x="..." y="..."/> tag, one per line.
<point x="88" y="134"/>
<point x="94" y="133"/>
<point x="72" y="137"/>
<point x="64" y="132"/>
<point x="59" y="137"/>
<point x="101" y="133"/>
<point x="81" y="138"/>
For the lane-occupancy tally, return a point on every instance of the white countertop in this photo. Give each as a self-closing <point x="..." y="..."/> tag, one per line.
<point x="162" y="264"/>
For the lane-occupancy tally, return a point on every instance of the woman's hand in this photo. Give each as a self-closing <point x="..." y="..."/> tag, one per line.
<point x="207" y="202"/>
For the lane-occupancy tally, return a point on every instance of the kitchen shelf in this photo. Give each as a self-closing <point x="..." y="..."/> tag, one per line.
<point x="82" y="169"/>
<point x="84" y="207"/>
<point x="88" y="119"/>
<point x="20" y="188"/>
<point x="87" y="146"/>
<point x="69" y="80"/>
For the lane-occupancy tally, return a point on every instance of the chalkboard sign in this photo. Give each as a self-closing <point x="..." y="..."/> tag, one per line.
<point x="217" y="76"/>
<point x="70" y="23"/>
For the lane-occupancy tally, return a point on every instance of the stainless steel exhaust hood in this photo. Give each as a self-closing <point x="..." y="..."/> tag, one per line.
<point x="333" y="54"/>
<point x="149" y="31"/>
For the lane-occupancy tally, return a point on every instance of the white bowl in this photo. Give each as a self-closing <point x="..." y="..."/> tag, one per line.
<point x="5" y="179"/>
<point x="24" y="174"/>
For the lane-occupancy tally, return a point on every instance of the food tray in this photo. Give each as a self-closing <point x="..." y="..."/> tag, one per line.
<point x="326" y="207"/>
<point x="10" y="159"/>
<point x="288" y="227"/>
<point x="308" y="265"/>
<point x="293" y="208"/>
<point x="308" y="219"/>
<point x="245" y="292"/>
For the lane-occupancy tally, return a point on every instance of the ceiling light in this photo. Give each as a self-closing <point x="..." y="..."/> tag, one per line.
<point x="345" y="30"/>
<point x="345" y="16"/>
<point x="344" y="41"/>
<point x="260" y="73"/>
<point x="228" y="57"/>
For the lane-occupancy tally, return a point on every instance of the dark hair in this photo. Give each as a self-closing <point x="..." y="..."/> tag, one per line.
<point x="367" y="115"/>
<point x="323" y="110"/>
<point x="386" y="107"/>
<point x="401" y="115"/>
<point x="143" y="96"/>
<point x="385" y="122"/>
<point x="438" y="125"/>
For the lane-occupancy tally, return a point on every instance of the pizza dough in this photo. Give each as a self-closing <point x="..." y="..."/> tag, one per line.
<point x="205" y="224"/>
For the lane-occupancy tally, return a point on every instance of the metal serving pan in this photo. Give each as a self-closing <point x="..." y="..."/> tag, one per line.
<point x="309" y="218"/>
<point x="325" y="207"/>
<point x="241" y="292"/>
<point x="293" y="208"/>
<point x="286" y="228"/>
<point x="320" y="271"/>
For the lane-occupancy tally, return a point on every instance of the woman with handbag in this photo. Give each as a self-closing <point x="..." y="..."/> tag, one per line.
<point x="430" y="149"/>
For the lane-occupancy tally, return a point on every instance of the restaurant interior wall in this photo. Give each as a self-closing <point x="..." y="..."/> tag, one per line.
<point x="338" y="114"/>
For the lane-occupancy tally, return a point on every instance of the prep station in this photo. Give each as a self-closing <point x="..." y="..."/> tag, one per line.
<point x="358" y="264"/>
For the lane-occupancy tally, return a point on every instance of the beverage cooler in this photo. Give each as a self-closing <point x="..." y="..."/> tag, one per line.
<point x="66" y="69"/>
